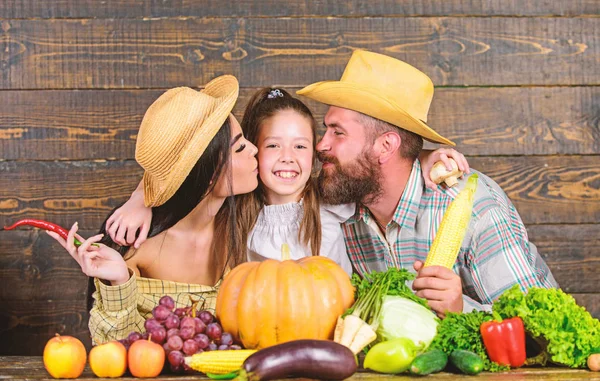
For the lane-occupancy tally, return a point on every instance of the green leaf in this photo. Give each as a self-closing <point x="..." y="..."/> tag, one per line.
<point x="461" y="331"/>
<point x="571" y="333"/>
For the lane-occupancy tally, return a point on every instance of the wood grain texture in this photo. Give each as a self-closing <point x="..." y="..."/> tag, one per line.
<point x="292" y="8"/>
<point x="65" y="192"/>
<point x="159" y="53"/>
<point x="35" y="267"/>
<point x="26" y="326"/>
<point x="100" y="124"/>
<point x="573" y="254"/>
<point x="545" y="189"/>
<point x="51" y="125"/>
<point x="548" y="189"/>
<point x="591" y="302"/>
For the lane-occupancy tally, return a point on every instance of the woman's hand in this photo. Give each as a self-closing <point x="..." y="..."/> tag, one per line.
<point x="428" y="158"/>
<point x="124" y="223"/>
<point x="95" y="261"/>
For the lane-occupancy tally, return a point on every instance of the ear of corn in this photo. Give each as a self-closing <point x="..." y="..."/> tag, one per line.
<point x="218" y="362"/>
<point x="452" y="230"/>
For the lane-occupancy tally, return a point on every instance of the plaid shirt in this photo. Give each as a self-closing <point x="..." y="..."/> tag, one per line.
<point x="120" y="310"/>
<point x="494" y="255"/>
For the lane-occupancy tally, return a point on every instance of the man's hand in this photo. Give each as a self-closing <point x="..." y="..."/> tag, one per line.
<point x="440" y="286"/>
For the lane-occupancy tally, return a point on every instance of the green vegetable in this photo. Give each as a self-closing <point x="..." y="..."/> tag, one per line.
<point x="356" y="328"/>
<point x="567" y="333"/>
<point x="401" y="317"/>
<point x="371" y="290"/>
<point x="393" y="356"/>
<point x="467" y="361"/>
<point x="226" y="376"/>
<point x="429" y="362"/>
<point x="461" y="331"/>
<point x="374" y="286"/>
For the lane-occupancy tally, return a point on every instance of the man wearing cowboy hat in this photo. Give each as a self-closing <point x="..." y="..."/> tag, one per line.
<point x="375" y="128"/>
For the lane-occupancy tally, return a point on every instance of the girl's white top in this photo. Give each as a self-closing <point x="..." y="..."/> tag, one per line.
<point x="278" y="224"/>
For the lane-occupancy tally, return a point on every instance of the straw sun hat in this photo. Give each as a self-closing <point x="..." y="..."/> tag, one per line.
<point x="176" y="130"/>
<point x="384" y="88"/>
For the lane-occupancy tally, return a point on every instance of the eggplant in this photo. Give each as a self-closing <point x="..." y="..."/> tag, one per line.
<point x="318" y="359"/>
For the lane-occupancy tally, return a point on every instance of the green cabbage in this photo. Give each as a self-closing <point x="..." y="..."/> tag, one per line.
<point x="401" y="317"/>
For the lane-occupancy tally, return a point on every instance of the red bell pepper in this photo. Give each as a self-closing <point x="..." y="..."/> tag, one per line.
<point x="504" y="340"/>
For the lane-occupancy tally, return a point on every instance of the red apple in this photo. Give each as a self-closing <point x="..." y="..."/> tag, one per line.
<point x="109" y="359"/>
<point x="64" y="357"/>
<point x="146" y="358"/>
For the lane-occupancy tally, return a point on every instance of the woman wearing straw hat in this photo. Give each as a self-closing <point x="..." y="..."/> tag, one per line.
<point x="195" y="158"/>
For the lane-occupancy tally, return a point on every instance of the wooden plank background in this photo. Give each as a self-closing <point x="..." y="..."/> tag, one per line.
<point x="516" y="88"/>
<point x="251" y="8"/>
<point x="166" y="52"/>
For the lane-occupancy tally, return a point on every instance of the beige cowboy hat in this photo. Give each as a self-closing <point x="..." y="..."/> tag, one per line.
<point x="176" y="130"/>
<point x="384" y="88"/>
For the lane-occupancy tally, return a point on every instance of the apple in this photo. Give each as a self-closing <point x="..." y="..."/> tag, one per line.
<point x="64" y="357"/>
<point x="108" y="359"/>
<point x="146" y="358"/>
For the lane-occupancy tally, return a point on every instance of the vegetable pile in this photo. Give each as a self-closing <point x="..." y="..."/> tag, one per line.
<point x="566" y="332"/>
<point x="460" y="331"/>
<point x="385" y="309"/>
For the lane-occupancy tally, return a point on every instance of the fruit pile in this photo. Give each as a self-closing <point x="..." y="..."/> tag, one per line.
<point x="182" y="332"/>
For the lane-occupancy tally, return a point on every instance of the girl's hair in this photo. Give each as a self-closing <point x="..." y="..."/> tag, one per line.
<point x="210" y="166"/>
<point x="263" y="105"/>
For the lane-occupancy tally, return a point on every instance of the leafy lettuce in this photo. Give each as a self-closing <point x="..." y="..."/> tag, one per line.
<point x="461" y="331"/>
<point x="567" y="332"/>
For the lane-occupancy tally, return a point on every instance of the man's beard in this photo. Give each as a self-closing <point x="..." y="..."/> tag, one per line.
<point x="359" y="181"/>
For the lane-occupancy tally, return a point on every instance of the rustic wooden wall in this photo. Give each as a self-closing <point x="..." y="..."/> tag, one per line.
<point x="517" y="89"/>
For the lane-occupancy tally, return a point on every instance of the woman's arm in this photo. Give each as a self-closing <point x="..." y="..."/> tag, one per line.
<point x="95" y="259"/>
<point x="115" y="312"/>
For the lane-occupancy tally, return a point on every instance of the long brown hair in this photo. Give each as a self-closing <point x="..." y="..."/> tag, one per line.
<point x="210" y="166"/>
<point x="263" y="105"/>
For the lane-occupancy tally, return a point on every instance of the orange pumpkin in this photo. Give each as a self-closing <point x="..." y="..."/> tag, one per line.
<point x="266" y="303"/>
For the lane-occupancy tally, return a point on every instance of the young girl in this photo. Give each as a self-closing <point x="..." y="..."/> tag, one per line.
<point x="195" y="159"/>
<point x="285" y="207"/>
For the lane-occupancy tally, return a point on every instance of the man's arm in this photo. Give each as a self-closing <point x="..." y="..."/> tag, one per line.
<point x="502" y="256"/>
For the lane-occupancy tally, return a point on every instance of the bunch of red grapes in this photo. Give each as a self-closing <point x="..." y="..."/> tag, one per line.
<point x="182" y="332"/>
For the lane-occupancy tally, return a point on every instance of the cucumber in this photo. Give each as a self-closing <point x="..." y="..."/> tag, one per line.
<point x="466" y="361"/>
<point x="429" y="362"/>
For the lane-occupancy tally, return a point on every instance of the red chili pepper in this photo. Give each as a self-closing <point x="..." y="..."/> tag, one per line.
<point x="64" y="233"/>
<point x="504" y="340"/>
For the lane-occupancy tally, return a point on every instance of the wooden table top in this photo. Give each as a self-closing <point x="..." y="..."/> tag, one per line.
<point x="32" y="368"/>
